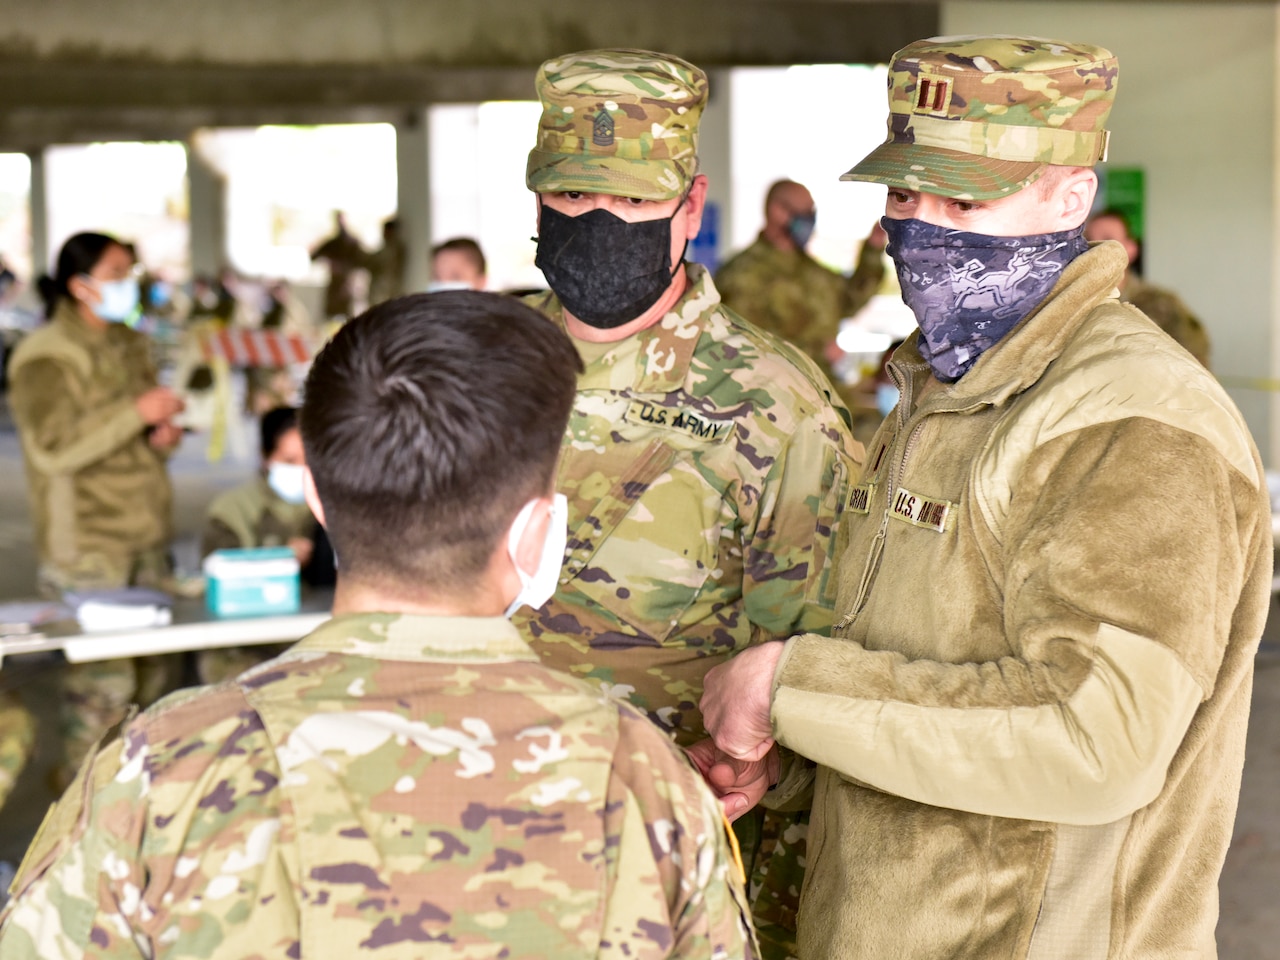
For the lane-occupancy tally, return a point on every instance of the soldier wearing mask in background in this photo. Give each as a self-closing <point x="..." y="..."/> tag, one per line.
<point x="268" y="511"/>
<point x="1163" y="306"/>
<point x="706" y="462"/>
<point x="777" y="285"/>
<point x="1029" y="722"/>
<point x="96" y="431"/>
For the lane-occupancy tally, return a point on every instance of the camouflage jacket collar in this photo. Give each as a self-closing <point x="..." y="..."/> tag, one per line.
<point x="1019" y="360"/>
<point x="655" y="360"/>
<point x="402" y="636"/>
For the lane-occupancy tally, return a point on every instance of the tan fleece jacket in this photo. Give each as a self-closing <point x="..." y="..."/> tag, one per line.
<point x="1030" y="723"/>
<point x="99" y="493"/>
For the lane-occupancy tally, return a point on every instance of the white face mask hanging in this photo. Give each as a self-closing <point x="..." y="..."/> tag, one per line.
<point x="537" y="589"/>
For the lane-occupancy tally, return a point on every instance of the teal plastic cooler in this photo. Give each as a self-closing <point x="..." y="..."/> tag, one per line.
<point x="260" y="581"/>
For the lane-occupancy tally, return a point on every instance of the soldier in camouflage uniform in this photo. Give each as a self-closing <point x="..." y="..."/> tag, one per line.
<point x="408" y="781"/>
<point x="779" y="287"/>
<point x="95" y="431"/>
<point x="706" y="461"/>
<point x="268" y="511"/>
<point x="1163" y="306"/>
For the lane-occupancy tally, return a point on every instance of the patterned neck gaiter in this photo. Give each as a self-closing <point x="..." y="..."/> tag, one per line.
<point x="968" y="290"/>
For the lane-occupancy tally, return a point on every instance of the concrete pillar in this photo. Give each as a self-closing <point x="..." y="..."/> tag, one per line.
<point x="207" y="202"/>
<point x="413" y="141"/>
<point x="712" y="245"/>
<point x="38" y="200"/>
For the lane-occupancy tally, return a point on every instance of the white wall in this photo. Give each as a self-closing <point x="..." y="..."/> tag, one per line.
<point x="1204" y="128"/>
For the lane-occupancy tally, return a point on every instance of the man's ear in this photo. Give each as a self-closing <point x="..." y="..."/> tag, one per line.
<point x="1075" y="195"/>
<point x="694" y="204"/>
<point x="83" y="289"/>
<point x="528" y="550"/>
<point x="312" y="497"/>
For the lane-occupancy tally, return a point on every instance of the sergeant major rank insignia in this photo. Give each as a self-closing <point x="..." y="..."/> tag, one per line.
<point x="602" y="129"/>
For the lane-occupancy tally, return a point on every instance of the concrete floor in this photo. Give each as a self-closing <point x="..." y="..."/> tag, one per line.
<point x="1249" y="928"/>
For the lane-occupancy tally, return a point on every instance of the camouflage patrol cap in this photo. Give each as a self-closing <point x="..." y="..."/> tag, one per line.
<point x="977" y="118"/>
<point x="623" y="122"/>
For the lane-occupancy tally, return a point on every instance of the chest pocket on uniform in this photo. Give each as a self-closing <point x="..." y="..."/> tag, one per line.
<point x="645" y="548"/>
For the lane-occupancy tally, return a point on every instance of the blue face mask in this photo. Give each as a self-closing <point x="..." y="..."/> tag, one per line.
<point x="968" y="290"/>
<point x="887" y="395"/>
<point x="119" y="299"/>
<point x="801" y="229"/>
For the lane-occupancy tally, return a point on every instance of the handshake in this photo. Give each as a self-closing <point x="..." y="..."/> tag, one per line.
<point x="740" y="759"/>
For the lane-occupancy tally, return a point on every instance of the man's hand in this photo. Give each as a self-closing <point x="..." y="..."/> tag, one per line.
<point x="157" y="405"/>
<point x="735" y="701"/>
<point x="877" y="238"/>
<point x="302" y="548"/>
<point x="739" y="784"/>
<point x="164" y="436"/>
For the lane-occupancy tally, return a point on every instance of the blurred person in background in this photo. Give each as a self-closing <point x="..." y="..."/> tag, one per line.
<point x="386" y="265"/>
<point x="344" y="255"/>
<point x="96" y="430"/>
<point x="458" y="264"/>
<point x="777" y="285"/>
<point x="875" y="399"/>
<point x="1163" y="306"/>
<point x="268" y="511"/>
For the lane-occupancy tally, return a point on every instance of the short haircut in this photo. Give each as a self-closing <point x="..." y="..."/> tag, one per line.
<point x="428" y="421"/>
<point x="275" y="424"/>
<point x="464" y="245"/>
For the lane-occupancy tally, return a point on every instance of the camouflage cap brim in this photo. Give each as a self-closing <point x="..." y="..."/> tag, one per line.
<point x="650" y="179"/>
<point x="947" y="173"/>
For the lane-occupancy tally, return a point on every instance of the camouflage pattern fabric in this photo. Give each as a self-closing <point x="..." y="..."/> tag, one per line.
<point x="793" y="296"/>
<point x="17" y="740"/>
<point x="705" y="466"/>
<point x="617" y="121"/>
<point x="395" y="787"/>
<point x="978" y="117"/>
<point x="1169" y="313"/>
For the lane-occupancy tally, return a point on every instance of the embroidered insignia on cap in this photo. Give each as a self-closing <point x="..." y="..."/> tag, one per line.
<point x="602" y="129"/>
<point x="933" y="95"/>
<point x="921" y="511"/>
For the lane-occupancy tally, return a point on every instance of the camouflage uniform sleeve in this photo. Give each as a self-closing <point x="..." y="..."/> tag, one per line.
<point x="675" y="879"/>
<point x="79" y="885"/>
<point x="217" y="536"/>
<point x="801" y="502"/>
<point x="865" y="281"/>
<point x="56" y="433"/>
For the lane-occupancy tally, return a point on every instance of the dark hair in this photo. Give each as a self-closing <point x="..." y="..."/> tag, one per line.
<point x="463" y="245"/>
<point x="1116" y="214"/>
<point x="79" y="255"/>
<point x="275" y="424"/>
<point x="428" y="421"/>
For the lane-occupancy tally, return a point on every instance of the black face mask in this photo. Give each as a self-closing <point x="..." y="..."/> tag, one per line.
<point x="605" y="270"/>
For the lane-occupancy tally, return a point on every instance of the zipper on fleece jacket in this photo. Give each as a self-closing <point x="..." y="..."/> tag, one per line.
<point x="897" y="468"/>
